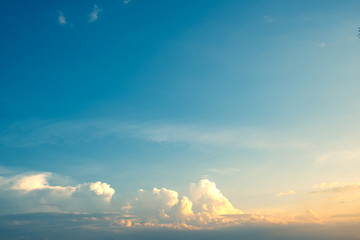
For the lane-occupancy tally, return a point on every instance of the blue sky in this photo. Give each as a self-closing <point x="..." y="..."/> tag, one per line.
<point x="100" y="99"/>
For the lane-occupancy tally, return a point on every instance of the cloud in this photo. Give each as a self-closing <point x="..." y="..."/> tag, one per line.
<point x="154" y="203"/>
<point x="225" y="170"/>
<point x="103" y="189"/>
<point x="291" y="192"/>
<point x="32" y="133"/>
<point x="321" y="45"/>
<point x="33" y="193"/>
<point x="127" y="1"/>
<point x="59" y="226"/>
<point x="94" y="15"/>
<point x="346" y="216"/>
<point x="336" y="156"/>
<point x="208" y="198"/>
<point x="325" y="185"/>
<point x="279" y="216"/>
<point x="268" y="19"/>
<point x="61" y="18"/>
<point x="341" y="189"/>
<point x="204" y="207"/>
<point x="308" y="217"/>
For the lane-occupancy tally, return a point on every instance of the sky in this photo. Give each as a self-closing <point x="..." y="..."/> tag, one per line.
<point x="200" y="119"/>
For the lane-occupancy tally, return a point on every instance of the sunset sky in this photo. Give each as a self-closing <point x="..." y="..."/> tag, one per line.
<point x="180" y="119"/>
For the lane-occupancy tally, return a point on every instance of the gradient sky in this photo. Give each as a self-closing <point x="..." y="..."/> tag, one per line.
<point x="199" y="115"/>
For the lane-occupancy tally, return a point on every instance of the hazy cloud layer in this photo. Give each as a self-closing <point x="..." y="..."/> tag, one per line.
<point x="58" y="226"/>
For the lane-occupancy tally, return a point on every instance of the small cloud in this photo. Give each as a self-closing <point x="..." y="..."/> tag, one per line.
<point x="94" y="15"/>
<point x="340" y="189"/>
<point x="321" y="45"/>
<point x="268" y="19"/>
<point x="286" y="193"/>
<point x="325" y="185"/>
<point x="62" y="19"/>
<point x="126" y="1"/>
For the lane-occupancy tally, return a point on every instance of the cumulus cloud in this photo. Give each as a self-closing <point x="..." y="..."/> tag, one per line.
<point x="204" y="207"/>
<point x="103" y="189"/>
<point x="94" y="15"/>
<point x="33" y="193"/>
<point x="154" y="203"/>
<point x="208" y="197"/>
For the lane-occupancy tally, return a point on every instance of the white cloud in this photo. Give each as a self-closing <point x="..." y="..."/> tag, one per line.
<point x="321" y="45"/>
<point x="40" y="196"/>
<point x="155" y="202"/>
<point x="127" y="1"/>
<point x="103" y="189"/>
<point x="94" y="15"/>
<point x="39" y="182"/>
<point x="208" y="198"/>
<point x="61" y="18"/>
<point x="205" y="207"/>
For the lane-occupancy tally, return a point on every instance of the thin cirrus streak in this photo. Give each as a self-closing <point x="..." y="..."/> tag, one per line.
<point x="33" y="133"/>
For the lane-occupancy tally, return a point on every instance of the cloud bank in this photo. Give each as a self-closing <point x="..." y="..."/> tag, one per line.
<point x="204" y="207"/>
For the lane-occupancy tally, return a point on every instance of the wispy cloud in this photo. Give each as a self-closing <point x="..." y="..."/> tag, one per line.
<point x="321" y="45"/>
<point x="225" y="170"/>
<point x="61" y="18"/>
<point x="46" y="132"/>
<point x="127" y="1"/>
<point x="341" y="189"/>
<point x="268" y="19"/>
<point x="291" y="192"/>
<point x="339" y="155"/>
<point x="94" y="15"/>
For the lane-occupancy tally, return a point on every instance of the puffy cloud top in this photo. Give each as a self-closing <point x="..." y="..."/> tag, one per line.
<point x="209" y="199"/>
<point x="103" y="189"/>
